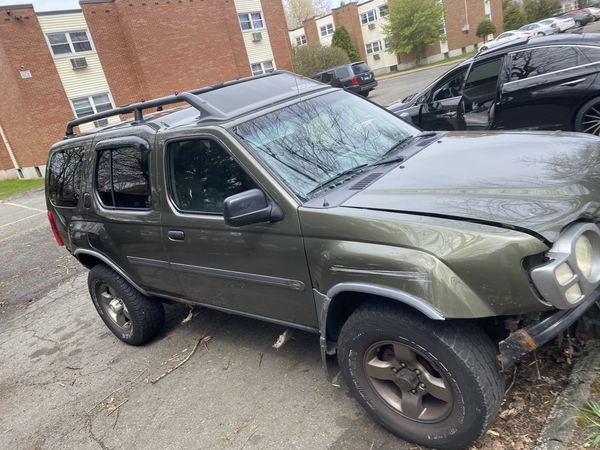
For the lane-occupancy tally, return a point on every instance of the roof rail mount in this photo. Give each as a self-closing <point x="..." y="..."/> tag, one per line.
<point x="191" y="98"/>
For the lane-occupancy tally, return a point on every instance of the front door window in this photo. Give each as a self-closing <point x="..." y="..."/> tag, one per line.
<point x="479" y="93"/>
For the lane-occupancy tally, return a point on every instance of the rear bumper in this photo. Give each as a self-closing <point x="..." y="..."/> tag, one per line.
<point x="527" y="339"/>
<point x="360" y="88"/>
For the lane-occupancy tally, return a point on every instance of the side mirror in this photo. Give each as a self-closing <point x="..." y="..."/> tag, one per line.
<point x="250" y="207"/>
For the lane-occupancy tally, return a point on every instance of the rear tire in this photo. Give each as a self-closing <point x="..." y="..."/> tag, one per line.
<point x="365" y="94"/>
<point x="131" y="316"/>
<point x="437" y="384"/>
<point x="577" y="23"/>
<point x="587" y="119"/>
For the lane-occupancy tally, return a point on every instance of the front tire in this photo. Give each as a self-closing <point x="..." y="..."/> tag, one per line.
<point x="131" y="316"/>
<point x="437" y="384"/>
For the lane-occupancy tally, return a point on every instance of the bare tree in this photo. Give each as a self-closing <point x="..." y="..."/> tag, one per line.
<point x="297" y="11"/>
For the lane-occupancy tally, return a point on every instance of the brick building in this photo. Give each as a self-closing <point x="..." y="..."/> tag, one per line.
<point x="61" y="64"/>
<point x="365" y="22"/>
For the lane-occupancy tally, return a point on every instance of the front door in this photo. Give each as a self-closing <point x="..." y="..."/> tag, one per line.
<point x="479" y="94"/>
<point x="259" y="270"/>
<point x="439" y="110"/>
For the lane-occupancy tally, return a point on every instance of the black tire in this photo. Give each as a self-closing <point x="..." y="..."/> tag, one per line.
<point x="365" y="94"/>
<point x="460" y="353"/>
<point x="585" y="124"/>
<point x="577" y="23"/>
<point x="145" y="317"/>
<point x="483" y="49"/>
<point x="540" y="34"/>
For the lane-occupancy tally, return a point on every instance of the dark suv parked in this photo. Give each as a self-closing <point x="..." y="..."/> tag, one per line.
<point x="547" y="83"/>
<point x="356" y="77"/>
<point x="426" y="262"/>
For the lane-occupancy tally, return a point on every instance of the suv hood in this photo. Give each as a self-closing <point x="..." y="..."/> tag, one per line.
<point x="534" y="182"/>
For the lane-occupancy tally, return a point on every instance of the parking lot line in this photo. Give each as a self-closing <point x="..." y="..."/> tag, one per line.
<point x="24" y="218"/>
<point x="22" y="206"/>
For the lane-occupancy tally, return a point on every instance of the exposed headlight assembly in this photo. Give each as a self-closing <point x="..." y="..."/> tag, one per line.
<point x="573" y="271"/>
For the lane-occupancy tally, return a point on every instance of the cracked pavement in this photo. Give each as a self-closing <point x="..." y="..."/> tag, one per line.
<point x="63" y="372"/>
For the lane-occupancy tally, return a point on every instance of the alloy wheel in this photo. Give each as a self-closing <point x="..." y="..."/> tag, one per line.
<point x="114" y="307"/>
<point x="590" y="122"/>
<point x="408" y="382"/>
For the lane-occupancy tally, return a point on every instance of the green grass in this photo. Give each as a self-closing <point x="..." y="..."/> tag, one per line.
<point x="9" y="188"/>
<point x="589" y="418"/>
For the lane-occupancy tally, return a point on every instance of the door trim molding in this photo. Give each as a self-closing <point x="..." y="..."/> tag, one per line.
<point x="294" y="285"/>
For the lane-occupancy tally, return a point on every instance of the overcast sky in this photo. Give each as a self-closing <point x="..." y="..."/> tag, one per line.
<point x="53" y="5"/>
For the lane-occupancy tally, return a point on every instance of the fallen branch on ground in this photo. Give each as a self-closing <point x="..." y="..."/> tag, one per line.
<point x="204" y="340"/>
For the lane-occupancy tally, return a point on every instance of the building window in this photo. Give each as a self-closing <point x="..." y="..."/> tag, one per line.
<point x="488" y="16"/>
<point x="301" y="40"/>
<point x="326" y="30"/>
<point x="369" y="16"/>
<point x="386" y="44"/>
<point x="384" y="10"/>
<point x="373" y="47"/>
<point x="69" y="43"/>
<point x="251" y="21"/>
<point x="84" y="106"/>
<point x="262" y="67"/>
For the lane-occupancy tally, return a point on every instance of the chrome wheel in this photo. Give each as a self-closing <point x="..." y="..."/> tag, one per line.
<point x="114" y="307"/>
<point x="590" y="122"/>
<point x="408" y="382"/>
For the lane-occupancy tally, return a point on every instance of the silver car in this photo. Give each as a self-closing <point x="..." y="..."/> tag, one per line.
<point x="563" y="23"/>
<point x="541" y="29"/>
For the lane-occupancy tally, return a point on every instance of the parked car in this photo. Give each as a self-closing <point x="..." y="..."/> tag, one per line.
<point x="356" y="77"/>
<point x="426" y="262"/>
<point x="563" y="23"/>
<point x="541" y="29"/>
<point x="505" y="38"/>
<point x="581" y="18"/>
<point x="548" y="83"/>
<point x="593" y="11"/>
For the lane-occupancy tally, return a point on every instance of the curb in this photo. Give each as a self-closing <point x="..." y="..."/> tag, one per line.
<point x="559" y="427"/>
<point x="418" y="69"/>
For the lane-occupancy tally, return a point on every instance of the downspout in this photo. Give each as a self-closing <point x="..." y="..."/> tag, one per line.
<point x="9" y="150"/>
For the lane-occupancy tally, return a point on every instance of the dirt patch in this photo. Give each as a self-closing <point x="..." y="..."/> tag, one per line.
<point x="529" y="400"/>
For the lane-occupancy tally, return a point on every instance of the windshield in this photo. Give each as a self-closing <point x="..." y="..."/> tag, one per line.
<point x="313" y="141"/>
<point x="359" y="68"/>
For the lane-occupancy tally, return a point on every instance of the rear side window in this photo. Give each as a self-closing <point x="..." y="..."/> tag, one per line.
<point x="64" y="177"/>
<point x="341" y="73"/>
<point x="591" y="54"/>
<point x="203" y="174"/>
<point x="123" y="178"/>
<point x="540" y="61"/>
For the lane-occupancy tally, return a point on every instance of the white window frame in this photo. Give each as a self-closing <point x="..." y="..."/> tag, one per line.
<point x="90" y="99"/>
<point x="70" y="43"/>
<point x="365" y="19"/>
<point x="301" y="40"/>
<point x="252" y="27"/>
<point x="262" y="67"/>
<point x="326" y="28"/>
<point x="386" y="45"/>
<point x="371" y="46"/>
<point x="386" y="7"/>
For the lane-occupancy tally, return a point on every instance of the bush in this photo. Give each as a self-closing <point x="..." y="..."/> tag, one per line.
<point x="311" y="59"/>
<point x="341" y="38"/>
<point x="484" y="28"/>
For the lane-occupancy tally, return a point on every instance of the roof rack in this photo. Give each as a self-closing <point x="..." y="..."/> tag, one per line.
<point x="191" y="98"/>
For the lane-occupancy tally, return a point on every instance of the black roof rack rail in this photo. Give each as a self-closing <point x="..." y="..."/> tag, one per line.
<point x="190" y="97"/>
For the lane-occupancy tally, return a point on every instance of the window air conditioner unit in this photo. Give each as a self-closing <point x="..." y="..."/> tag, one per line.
<point x="257" y="37"/>
<point x="100" y="123"/>
<point x="79" y="63"/>
<point x="371" y="26"/>
<point x="376" y="56"/>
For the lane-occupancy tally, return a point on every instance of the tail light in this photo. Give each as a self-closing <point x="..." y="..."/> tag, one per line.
<point x="52" y="221"/>
<point x="354" y="80"/>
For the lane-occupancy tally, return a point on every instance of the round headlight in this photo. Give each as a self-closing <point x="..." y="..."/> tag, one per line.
<point x="584" y="255"/>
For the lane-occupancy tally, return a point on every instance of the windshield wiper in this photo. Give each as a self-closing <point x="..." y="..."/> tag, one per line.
<point x="340" y="175"/>
<point x="391" y="157"/>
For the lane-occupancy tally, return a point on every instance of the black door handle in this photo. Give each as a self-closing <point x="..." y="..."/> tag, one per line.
<point x="176" y="235"/>
<point x="87" y="201"/>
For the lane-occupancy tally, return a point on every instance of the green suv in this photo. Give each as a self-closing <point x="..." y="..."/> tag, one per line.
<point x="427" y="262"/>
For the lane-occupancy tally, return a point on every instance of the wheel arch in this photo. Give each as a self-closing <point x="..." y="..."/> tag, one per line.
<point x="592" y="98"/>
<point x="91" y="258"/>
